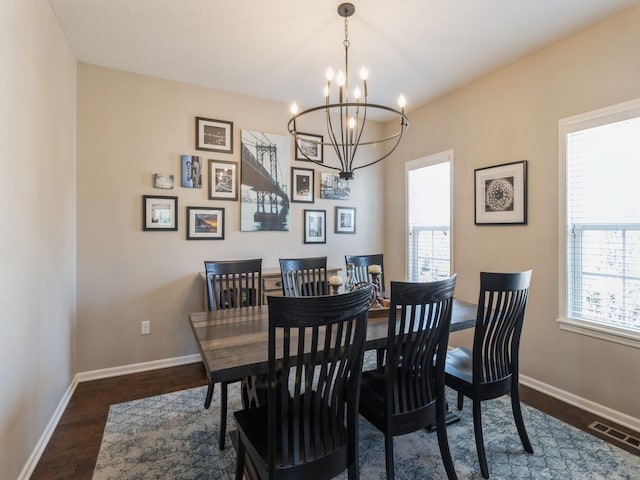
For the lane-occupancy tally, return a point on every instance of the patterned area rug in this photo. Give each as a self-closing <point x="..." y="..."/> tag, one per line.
<point x="173" y="437"/>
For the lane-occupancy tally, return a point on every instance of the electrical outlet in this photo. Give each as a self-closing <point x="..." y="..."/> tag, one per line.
<point x="145" y="327"/>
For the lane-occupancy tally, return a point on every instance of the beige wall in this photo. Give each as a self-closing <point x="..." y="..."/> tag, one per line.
<point x="37" y="243"/>
<point x="513" y="115"/>
<point x="130" y="127"/>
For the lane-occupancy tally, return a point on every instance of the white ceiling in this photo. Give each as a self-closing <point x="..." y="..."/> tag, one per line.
<point x="280" y="49"/>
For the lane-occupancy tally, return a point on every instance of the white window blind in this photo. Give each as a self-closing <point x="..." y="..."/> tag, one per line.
<point x="602" y="231"/>
<point x="429" y="214"/>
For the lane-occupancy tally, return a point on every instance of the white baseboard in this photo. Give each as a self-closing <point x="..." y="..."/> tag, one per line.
<point x="34" y="458"/>
<point x="582" y="403"/>
<point x="137" y="367"/>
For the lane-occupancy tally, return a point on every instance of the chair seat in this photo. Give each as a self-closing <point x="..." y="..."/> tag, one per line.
<point x="372" y="388"/>
<point x="460" y="364"/>
<point x="372" y="406"/>
<point x="252" y="425"/>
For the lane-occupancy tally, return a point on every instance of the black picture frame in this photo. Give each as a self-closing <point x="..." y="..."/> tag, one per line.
<point x="311" y="145"/>
<point x="500" y="194"/>
<point x="345" y="220"/>
<point x="332" y="187"/>
<point x="302" y="185"/>
<point x="315" y="226"/>
<point x="223" y="180"/>
<point x="205" y="223"/>
<point x="214" y="135"/>
<point x="159" y="213"/>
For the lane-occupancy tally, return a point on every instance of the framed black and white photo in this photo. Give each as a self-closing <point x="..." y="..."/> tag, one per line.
<point x="161" y="180"/>
<point x="332" y="187"/>
<point x="302" y="185"/>
<point x="159" y="213"/>
<point x="214" y="135"/>
<point x="501" y="194"/>
<point x="309" y="147"/>
<point x="191" y="171"/>
<point x="205" y="223"/>
<point x="315" y="226"/>
<point x="345" y="220"/>
<point x="223" y="180"/>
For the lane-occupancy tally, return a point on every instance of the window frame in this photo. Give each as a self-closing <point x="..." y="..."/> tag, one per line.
<point x="428" y="161"/>
<point x="615" y="113"/>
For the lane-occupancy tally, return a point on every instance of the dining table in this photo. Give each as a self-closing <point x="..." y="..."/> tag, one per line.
<point x="233" y="342"/>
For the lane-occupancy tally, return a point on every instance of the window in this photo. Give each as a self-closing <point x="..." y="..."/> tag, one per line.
<point x="600" y="235"/>
<point x="429" y="217"/>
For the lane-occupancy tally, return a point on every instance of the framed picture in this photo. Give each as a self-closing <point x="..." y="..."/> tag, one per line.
<point x="332" y="187"/>
<point x="501" y="194"/>
<point x="223" y="180"/>
<point x="345" y="220"/>
<point x="315" y="226"/>
<point x="205" y="223"/>
<point x="309" y="147"/>
<point x="161" y="180"/>
<point x="191" y="171"/>
<point x="265" y="159"/>
<point x="302" y="185"/>
<point x="214" y="135"/>
<point x="159" y="212"/>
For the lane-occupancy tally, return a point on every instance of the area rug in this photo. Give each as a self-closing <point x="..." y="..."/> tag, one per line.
<point x="173" y="437"/>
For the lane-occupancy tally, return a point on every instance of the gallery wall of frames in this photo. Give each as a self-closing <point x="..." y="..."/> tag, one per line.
<point x="266" y="176"/>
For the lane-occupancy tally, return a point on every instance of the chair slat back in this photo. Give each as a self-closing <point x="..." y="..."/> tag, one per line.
<point x="234" y="283"/>
<point x="418" y="332"/>
<point x="315" y="363"/>
<point x="304" y="277"/>
<point x="361" y="265"/>
<point x="501" y="308"/>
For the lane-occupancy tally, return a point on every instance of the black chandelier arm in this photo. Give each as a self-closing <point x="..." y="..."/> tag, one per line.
<point x="357" y="144"/>
<point x="334" y="142"/>
<point x="343" y="157"/>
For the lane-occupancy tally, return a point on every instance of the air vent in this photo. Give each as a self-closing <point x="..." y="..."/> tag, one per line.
<point x="616" y="434"/>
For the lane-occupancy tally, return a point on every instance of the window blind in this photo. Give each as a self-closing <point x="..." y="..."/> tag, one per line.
<point x="603" y="222"/>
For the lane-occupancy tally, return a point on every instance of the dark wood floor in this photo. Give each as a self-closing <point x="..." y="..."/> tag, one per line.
<point x="73" y="449"/>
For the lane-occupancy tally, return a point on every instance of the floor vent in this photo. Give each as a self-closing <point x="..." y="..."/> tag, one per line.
<point x="617" y="434"/>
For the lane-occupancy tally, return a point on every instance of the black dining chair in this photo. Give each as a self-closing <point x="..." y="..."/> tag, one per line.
<point x="231" y="284"/>
<point x="361" y="264"/>
<point x="304" y="277"/>
<point x="407" y="393"/>
<point x="490" y="370"/>
<point x="309" y="427"/>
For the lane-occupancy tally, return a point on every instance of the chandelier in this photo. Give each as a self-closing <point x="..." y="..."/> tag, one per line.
<point x="346" y="119"/>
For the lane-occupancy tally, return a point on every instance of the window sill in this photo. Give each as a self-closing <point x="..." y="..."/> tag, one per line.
<point x="623" y="336"/>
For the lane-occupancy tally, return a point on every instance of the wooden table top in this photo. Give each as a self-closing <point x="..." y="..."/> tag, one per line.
<point x="233" y="342"/>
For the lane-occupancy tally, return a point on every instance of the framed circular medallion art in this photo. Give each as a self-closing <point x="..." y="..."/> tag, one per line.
<point x="501" y="194"/>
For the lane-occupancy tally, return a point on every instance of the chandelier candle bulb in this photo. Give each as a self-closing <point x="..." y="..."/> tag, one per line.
<point x="329" y="75"/>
